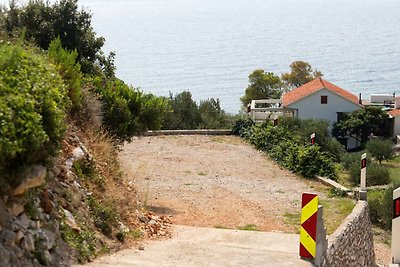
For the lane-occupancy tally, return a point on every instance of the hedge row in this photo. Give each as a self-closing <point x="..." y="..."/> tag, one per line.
<point x="289" y="148"/>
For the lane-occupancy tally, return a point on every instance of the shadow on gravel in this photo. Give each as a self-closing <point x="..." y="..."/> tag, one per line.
<point x="161" y="210"/>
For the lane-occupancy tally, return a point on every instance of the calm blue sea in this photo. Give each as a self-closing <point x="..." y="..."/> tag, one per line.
<point x="209" y="47"/>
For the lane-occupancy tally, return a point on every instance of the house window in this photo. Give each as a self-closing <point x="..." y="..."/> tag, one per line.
<point x="324" y="99"/>
<point x="340" y="116"/>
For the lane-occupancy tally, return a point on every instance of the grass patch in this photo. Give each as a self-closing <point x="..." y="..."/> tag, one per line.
<point x="221" y="227"/>
<point x="82" y="242"/>
<point x="86" y="170"/>
<point x="248" y="227"/>
<point x="202" y="173"/>
<point x="105" y="215"/>
<point x="335" y="211"/>
<point x="293" y="220"/>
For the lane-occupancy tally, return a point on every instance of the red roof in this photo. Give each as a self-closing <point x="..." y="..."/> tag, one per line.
<point x="314" y="86"/>
<point x="394" y="112"/>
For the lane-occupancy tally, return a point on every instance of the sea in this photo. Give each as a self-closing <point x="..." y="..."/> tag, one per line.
<point x="209" y="47"/>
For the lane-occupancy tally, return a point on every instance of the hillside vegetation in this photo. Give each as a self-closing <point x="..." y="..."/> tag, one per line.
<point x="63" y="114"/>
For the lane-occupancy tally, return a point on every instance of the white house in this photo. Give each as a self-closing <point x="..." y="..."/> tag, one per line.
<point x="394" y="117"/>
<point x="318" y="99"/>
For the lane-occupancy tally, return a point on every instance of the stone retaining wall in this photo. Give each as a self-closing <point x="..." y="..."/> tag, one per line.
<point x="352" y="243"/>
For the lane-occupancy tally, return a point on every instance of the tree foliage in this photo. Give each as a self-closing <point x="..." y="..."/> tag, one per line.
<point x="262" y="85"/>
<point x="381" y="149"/>
<point x="43" y="22"/>
<point x="300" y="73"/>
<point x="186" y="114"/>
<point x="127" y="110"/>
<point x="361" y="123"/>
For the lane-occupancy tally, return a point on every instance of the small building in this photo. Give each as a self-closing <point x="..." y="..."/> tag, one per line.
<point x="320" y="99"/>
<point x="394" y="119"/>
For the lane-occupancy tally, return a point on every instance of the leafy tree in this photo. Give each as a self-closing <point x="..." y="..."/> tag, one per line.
<point x="360" y="124"/>
<point x="185" y="112"/>
<point x="211" y="114"/>
<point x="44" y="22"/>
<point x="300" y="73"/>
<point x="380" y="149"/>
<point x="262" y="85"/>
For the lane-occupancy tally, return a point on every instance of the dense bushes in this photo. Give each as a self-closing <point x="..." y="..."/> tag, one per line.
<point x="376" y="174"/>
<point x="69" y="70"/>
<point x="127" y="110"/>
<point x="33" y="101"/>
<point x="289" y="148"/>
<point x="186" y="114"/>
<point x="381" y="206"/>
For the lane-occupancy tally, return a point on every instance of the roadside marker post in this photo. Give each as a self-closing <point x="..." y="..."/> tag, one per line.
<point x="363" y="182"/>
<point x="312" y="139"/>
<point x="308" y="228"/>
<point x="275" y="121"/>
<point x="396" y="229"/>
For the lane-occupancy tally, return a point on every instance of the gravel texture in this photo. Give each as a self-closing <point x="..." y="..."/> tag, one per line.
<point x="213" y="181"/>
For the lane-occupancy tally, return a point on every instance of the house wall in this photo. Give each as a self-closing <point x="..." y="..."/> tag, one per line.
<point x="396" y="126"/>
<point x="311" y="108"/>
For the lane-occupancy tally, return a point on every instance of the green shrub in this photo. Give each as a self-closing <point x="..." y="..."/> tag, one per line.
<point x="291" y="150"/>
<point x="381" y="149"/>
<point x="376" y="174"/>
<point x="126" y="110"/>
<point x="105" y="216"/>
<point x="33" y="101"/>
<point x="349" y="159"/>
<point x="69" y="70"/>
<point x="381" y="206"/>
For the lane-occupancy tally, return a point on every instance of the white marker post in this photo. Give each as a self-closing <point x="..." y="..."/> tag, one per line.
<point x="312" y="139"/>
<point x="396" y="229"/>
<point x="363" y="183"/>
<point x="275" y="121"/>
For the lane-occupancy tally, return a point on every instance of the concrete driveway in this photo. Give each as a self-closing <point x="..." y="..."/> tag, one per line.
<point x="197" y="246"/>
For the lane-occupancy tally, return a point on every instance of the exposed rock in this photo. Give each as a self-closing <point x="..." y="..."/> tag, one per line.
<point x="4" y="215"/>
<point x="7" y="237"/>
<point x="143" y="218"/>
<point x="46" y="239"/>
<point x="28" y="242"/>
<point x="77" y="154"/>
<point x="35" y="177"/>
<point x="22" y="222"/>
<point x="70" y="220"/>
<point x="4" y="256"/>
<point x="45" y="202"/>
<point x="19" y="237"/>
<point x="15" y="209"/>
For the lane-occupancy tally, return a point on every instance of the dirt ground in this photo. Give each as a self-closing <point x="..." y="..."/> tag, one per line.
<point x="218" y="181"/>
<point x="215" y="181"/>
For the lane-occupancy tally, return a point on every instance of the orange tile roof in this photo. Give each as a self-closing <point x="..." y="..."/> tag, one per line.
<point x="314" y="86"/>
<point x="394" y="112"/>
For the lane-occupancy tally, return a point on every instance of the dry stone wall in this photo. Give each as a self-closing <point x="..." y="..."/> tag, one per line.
<point x="352" y="243"/>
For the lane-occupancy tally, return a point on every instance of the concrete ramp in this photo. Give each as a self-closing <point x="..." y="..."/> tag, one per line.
<point x="196" y="246"/>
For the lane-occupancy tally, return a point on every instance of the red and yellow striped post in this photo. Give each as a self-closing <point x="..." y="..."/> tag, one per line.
<point x="308" y="228"/>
